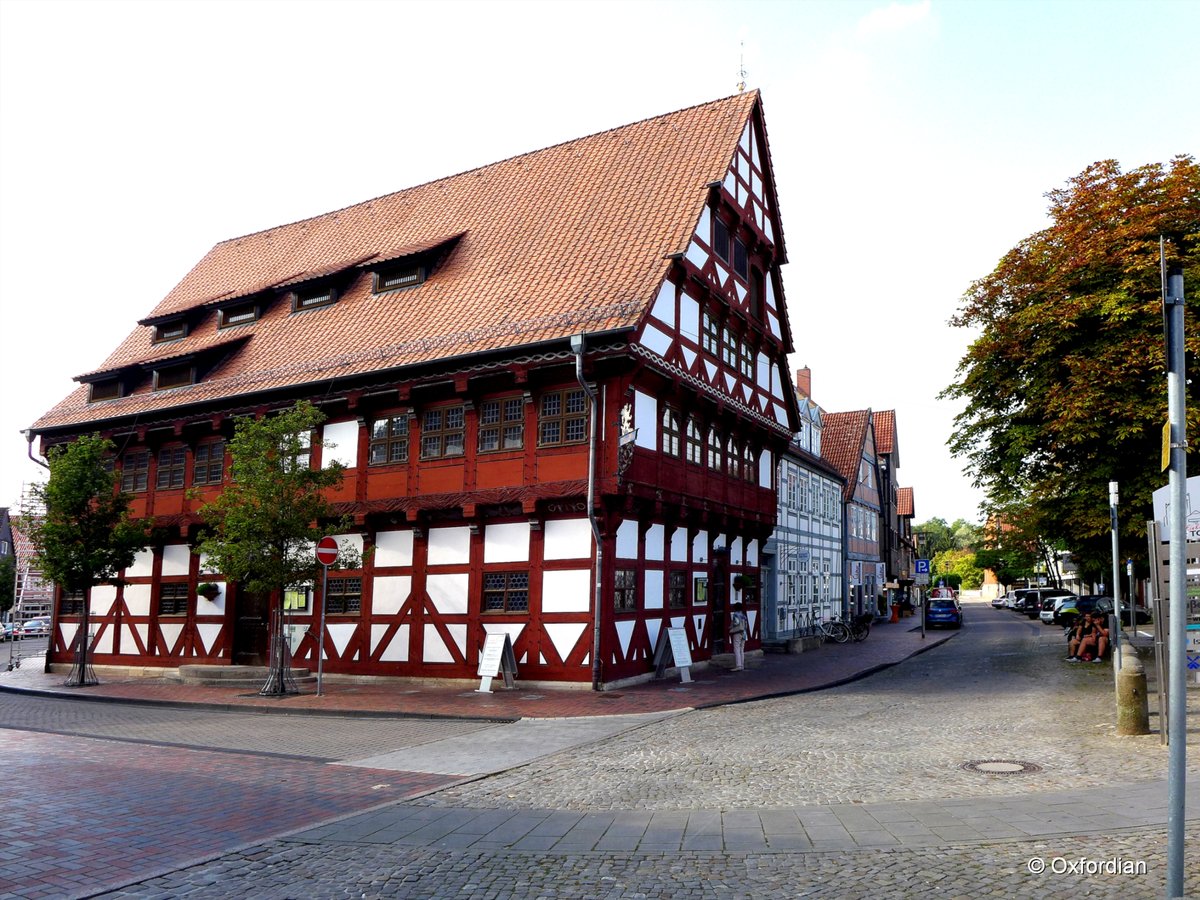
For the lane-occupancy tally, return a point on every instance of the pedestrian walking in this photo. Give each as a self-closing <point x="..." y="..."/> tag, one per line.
<point x="739" y="626"/>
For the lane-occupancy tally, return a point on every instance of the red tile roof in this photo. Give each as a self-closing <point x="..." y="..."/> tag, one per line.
<point x="904" y="502"/>
<point x="885" y="430"/>
<point x="842" y="444"/>
<point x="571" y="238"/>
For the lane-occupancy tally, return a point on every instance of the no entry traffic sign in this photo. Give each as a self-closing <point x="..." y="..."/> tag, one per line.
<point x="327" y="551"/>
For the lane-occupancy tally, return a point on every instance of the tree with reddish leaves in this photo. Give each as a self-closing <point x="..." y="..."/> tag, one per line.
<point x="1065" y="386"/>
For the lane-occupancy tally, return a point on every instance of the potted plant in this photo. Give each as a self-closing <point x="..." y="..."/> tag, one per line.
<point x="741" y="582"/>
<point x="208" y="589"/>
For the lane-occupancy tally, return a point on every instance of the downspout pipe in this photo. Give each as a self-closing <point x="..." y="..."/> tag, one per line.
<point x="577" y="342"/>
<point x="28" y="432"/>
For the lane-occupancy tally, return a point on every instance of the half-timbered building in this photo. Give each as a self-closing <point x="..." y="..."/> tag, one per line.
<point x="557" y="385"/>
<point x="848" y="443"/>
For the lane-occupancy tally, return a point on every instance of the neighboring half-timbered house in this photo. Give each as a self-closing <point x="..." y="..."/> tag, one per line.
<point x="601" y="319"/>
<point x="848" y="442"/>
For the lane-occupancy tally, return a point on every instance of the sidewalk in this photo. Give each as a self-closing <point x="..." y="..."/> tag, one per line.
<point x="768" y="675"/>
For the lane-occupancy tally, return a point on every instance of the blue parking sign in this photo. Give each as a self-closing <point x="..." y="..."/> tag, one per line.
<point x="922" y="567"/>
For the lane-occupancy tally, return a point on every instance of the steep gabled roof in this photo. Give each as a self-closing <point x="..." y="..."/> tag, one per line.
<point x="535" y="248"/>
<point x="885" y="432"/>
<point x="904" y="502"/>
<point x="842" y="441"/>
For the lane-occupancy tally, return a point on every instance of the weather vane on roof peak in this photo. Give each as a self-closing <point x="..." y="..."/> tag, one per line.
<point x="742" y="70"/>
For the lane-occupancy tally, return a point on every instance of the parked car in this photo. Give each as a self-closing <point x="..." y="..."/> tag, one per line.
<point x="1105" y="605"/>
<point x="1043" y="598"/>
<point x="39" y="627"/>
<point x="943" y="611"/>
<point x="1000" y="600"/>
<point x="1066" y="614"/>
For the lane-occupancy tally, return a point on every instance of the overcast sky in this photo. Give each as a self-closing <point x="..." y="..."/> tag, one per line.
<point x="912" y="144"/>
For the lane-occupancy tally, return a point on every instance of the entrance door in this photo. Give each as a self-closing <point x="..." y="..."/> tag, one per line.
<point x="250" y="629"/>
<point x="718" y="589"/>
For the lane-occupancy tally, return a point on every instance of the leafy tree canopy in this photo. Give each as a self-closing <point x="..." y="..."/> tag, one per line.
<point x="267" y="519"/>
<point x="85" y="533"/>
<point x="938" y="535"/>
<point x="1065" y="386"/>
<point x="957" y="567"/>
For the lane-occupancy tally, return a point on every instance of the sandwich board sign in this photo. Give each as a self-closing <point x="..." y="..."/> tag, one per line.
<point x="673" y="650"/>
<point x="496" y="658"/>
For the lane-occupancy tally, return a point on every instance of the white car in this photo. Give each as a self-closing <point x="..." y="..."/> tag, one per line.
<point x="36" y="628"/>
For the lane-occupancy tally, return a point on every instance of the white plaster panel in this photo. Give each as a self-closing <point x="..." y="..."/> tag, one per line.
<point x="664" y="304"/>
<point x="564" y="636"/>
<point x="730" y="181"/>
<point x="170" y="635"/>
<point x="103" y="597"/>
<point x="655" y="541"/>
<point x="711" y="368"/>
<point x="569" y="539"/>
<point x="627" y="540"/>
<point x="449" y="546"/>
<point x="766" y="463"/>
<point x="448" y="592"/>
<point x="128" y="645"/>
<point x="143" y="564"/>
<point x="781" y="415"/>
<point x="393" y="548"/>
<point x="698" y="621"/>
<point x="722" y="274"/>
<point x="568" y="590"/>
<point x="512" y="629"/>
<point x="213" y="607"/>
<point x="652" y="592"/>
<point x="177" y="559"/>
<point x="655" y="339"/>
<point x="340" y="633"/>
<point x="773" y="323"/>
<point x="137" y="599"/>
<point x="770" y="285"/>
<point x="755" y="185"/>
<point x="752" y="617"/>
<point x="349" y="545"/>
<point x="770" y="230"/>
<point x="764" y="371"/>
<point x="741" y="194"/>
<point x="458" y="631"/>
<point x="679" y="545"/>
<point x="689" y="317"/>
<point x="744" y="140"/>
<point x="696" y="256"/>
<point x="752" y="553"/>
<point x="730" y="383"/>
<point x="506" y="543"/>
<point x="624" y="633"/>
<point x="740" y="290"/>
<point x="689" y="356"/>
<point x="397" y="649"/>
<point x="776" y="381"/>
<point x="341" y="444"/>
<point x="700" y="547"/>
<point x="653" y="626"/>
<point x="645" y="417"/>
<point x="389" y="593"/>
<point x="104" y="642"/>
<point x="704" y="228"/>
<point x="436" y="650"/>
<point x="68" y="632"/>
<point x="735" y="552"/>
<point x="208" y="633"/>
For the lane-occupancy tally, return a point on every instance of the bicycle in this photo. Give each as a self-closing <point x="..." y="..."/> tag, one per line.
<point x="833" y="630"/>
<point x="861" y="627"/>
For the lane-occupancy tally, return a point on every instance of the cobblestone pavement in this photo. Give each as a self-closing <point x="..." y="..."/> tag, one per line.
<point x="1001" y="691"/>
<point x="1073" y="868"/>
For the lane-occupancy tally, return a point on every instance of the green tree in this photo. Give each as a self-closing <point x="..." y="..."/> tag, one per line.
<point x="265" y="522"/>
<point x="85" y="534"/>
<point x="1064" y="387"/>
<point x="957" y="568"/>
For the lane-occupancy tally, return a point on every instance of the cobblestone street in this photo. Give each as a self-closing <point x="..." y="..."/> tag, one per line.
<point x="854" y="791"/>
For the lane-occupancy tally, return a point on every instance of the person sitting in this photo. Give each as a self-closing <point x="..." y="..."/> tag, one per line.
<point x="1079" y="633"/>
<point x="1093" y="643"/>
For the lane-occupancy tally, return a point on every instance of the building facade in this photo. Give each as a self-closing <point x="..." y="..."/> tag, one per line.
<point x="849" y="446"/>
<point x="558" y="395"/>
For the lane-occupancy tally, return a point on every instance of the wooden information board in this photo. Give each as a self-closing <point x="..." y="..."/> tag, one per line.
<point x="496" y="658"/>
<point x="673" y="650"/>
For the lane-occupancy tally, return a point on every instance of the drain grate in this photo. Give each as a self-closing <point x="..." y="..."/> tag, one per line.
<point x="1001" y="767"/>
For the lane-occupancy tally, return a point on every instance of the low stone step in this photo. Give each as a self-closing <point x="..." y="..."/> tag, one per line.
<point x="236" y="676"/>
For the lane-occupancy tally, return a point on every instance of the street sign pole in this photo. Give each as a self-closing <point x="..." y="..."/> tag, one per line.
<point x="1113" y="499"/>
<point x="327" y="551"/>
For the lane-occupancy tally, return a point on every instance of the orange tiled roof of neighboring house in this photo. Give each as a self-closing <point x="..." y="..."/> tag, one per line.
<point x="904" y="502"/>
<point x="842" y="444"/>
<point x="885" y="430"/>
<point x="571" y="238"/>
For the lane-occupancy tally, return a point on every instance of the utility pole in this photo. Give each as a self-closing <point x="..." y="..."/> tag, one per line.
<point x="1113" y="498"/>
<point x="1173" y="321"/>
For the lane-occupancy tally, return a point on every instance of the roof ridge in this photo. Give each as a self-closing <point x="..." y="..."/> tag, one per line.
<point x="754" y="92"/>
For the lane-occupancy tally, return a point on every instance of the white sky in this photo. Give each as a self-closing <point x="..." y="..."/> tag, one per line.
<point x="911" y="142"/>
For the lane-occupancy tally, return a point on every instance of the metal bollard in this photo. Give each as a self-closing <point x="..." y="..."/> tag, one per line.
<point x="1133" y="709"/>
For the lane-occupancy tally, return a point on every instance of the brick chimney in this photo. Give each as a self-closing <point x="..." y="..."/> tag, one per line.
<point x="804" y="382"/>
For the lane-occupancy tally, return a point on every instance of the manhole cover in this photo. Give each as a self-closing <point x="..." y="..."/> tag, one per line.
<point x="1001" y="767"/>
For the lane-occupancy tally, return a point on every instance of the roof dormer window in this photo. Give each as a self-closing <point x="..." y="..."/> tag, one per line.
<point x="398" y="277"/>
<point x="170" y="331"/>
<point x="239" y="314"/>
<point x="109" y="389"/>
<point x="313" y="297"/>
<point x="174" y="376"/>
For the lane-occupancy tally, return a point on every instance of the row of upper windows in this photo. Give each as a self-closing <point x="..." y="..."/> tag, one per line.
<point x="726" y="346"/>
<point x="811" y="495"/>
<point x="707" y="446"/>
<point x="562" y="420"/>
<point x="864" y="523"/>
